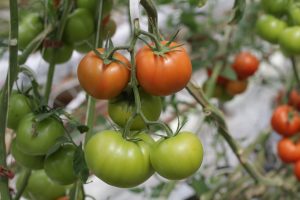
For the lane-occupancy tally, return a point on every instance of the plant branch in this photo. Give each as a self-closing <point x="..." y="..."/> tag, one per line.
<point x="152" y="16"/>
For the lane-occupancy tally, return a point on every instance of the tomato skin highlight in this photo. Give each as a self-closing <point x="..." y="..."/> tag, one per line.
<point x="120" y="110"/>
<point x="103" y="81"/>
<point x="35" y="138"/>
<point x="59" y="165"/>
<point x="285" y="120"/>
<point x="163" y="75"/>
<point x="177" y="157"/>
<point x="119" y="162"/>
<point x="288" y="151"/>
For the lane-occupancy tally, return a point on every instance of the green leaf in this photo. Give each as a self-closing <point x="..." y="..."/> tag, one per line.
<point x="79" y="165"/>
<point x="82" y="128"/>
<point x="57" y="145"/>
<point x="199" y="3"/>
<point x="229" y="73"/>
<point x="238" y="11"/>
<point x="199" y="185"/>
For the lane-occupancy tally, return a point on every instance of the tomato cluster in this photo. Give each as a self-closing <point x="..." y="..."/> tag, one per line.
<point x="244" y="66"/>
<point x="286" y="122"/>
<point x="280" y="25"/>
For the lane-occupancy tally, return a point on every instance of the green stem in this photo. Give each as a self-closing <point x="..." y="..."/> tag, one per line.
<point x="90" y="113"/>
<point x="50" y="77"/>
<point x="23" y="184"/>
<point x="212" y="80"/>
<point x="153" y="38"/>
<point x="4" y="97"/>
<point x="152" y="16"/>
<point x="294" y="65"/>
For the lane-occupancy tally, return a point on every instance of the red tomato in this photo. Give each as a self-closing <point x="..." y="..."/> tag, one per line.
<point x="297" y="170"/>
<point x="245" y="64"/>
<point x="103" y="81"/>
<point x="285" y="120"/>
<point x="234" y="87"/>
<point x="294" y="99"/>
<point x="288" y="151"/>
<point x="164" y="74"/>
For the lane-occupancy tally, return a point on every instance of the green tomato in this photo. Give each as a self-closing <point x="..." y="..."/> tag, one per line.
<point x="276" y="7"/>
<point x="79" y="26"/>
<point x="117" y="161"/>
<point x="28" y="161"/>
<point x="59" y="165"/>
<point x="29" y="28"/>
<point x="63" y="54"/>
<point x="91" y="5"/>
<point x="122" y="108"/>
<point x="289" y="40"/>
<point x="40" y="187"/>
<point x="19" y="106"/>
<point x="35" y="138"/>
<point x="177" y="157"/>
<point x="269" y="28"/>
<point x="294" y="14"/>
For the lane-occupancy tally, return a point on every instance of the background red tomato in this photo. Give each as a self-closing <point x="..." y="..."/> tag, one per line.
<point x="245" y="64"/>
<point x="288" y="151"/>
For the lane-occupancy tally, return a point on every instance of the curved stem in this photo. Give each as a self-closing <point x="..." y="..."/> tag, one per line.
<point x="4" y="97"/>
<point x="23" y="184"/>
<point x="153" y="38"/>
<point x="152" y="16"/>
<point x="90" y="114"/>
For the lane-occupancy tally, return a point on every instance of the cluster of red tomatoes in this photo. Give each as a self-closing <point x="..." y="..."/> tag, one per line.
<point x="129" y="160"/>
<point x="280" y="24"/>
<point x="244" y="65"/>
<point x="286" y="122"/>
<point x="79" y="29"/>
<point x="35" y="136"/>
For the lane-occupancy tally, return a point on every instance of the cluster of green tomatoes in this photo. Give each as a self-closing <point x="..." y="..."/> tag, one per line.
<point x="281" y="24"/>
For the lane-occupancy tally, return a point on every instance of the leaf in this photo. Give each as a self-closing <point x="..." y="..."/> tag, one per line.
<point x="238" y="11"/>
<point x="137" y="190"/>
<point x="199" y="185"/>
<point x="82" y="128"/>
<point x="228" y="72"/>
<point x="199" y="3"/>
<point x="79" y="165"/>
<point x="57" y="145"/>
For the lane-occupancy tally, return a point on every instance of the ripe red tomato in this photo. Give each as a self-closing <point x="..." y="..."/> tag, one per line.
<point x="285" y="120"/>
<point x="117" y="161"/>
<point x="234" y="87"/>
<point x="245" y="64"/>
<point x="288" y="151"/>
<point x="103" y="81"/>
<point x="177" y="157"/>
<point x="294" y="99"/>
<point x="297" y="170"/>
<point x="165" y="74"/>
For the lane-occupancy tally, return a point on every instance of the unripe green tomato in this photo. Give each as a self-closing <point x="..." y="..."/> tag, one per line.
<point x="79" y="26"/>
<point x="28" y="161"/>
<point x="29" y="28"/>
<point x="19" y="106"/>
<point x="62" y="54"/>
<point x="91" y="5"/>
<point x="289" y="40"/>
<point x="59" y="165"/>
<point x="276" y="7"/>
<point x="294" y="15"/>
<point x="121" y="109"/>
<point x="269" y="28"/>
<point x="40" y="186"/>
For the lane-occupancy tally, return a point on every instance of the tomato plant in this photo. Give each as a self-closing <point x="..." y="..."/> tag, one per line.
<point x="285" y="120"/>
<point x="165" y="73"/>
<point x="91" y="5"/>
<point x="294" y="99"/>
<point x="36" y="137"/>
<point x="40" y="187"/>
<point x="269" y="28"/>
<point x="59" y="165"/>
<point x="117" y="161"/>
<point x="28" y="161"/>
<point x="121" y="109"/>
<point x="62" y="54"/>
<point x="100" y="80"/>
<point x="221" y="80"/>
<point x="79" y="26"/>
<point x="177" y="157"/>
<point x="288" y="151"/>
<point x="289" y="40"/>
<point x="245" y="64"/>
<point x="30" y="26"/>
<point x="19" y="106"/>
<point x="219" y="92"/>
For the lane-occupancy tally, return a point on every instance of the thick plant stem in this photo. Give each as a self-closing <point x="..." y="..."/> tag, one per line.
<point x="11" y="76"/>
<point x="152" y="16"/>
<point x="90" y="114"/>
<point x="49" y="78"/>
